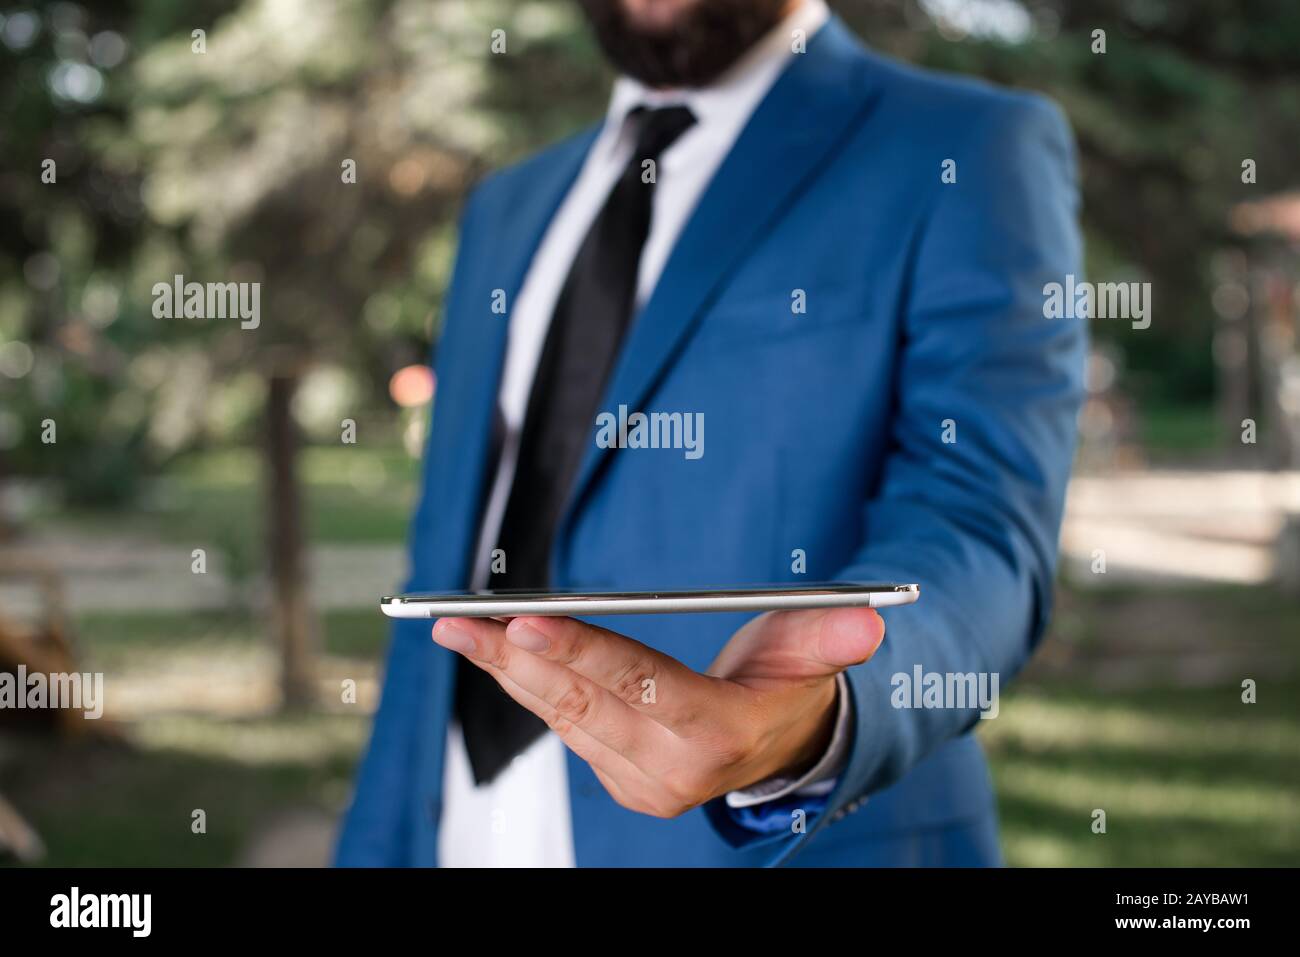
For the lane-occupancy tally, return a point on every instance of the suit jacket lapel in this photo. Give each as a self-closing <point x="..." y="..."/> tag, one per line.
<point x="470" y="363"/>
<point x="818" y="99"/>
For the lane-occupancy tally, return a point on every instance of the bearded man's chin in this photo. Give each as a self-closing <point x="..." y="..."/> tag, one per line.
<point x="666" y="45"/>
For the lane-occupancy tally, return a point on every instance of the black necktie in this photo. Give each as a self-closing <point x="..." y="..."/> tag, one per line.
<point x="587" y="328"/>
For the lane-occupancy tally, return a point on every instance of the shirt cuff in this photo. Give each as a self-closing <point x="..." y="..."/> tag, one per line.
<point x="820" y="779"/>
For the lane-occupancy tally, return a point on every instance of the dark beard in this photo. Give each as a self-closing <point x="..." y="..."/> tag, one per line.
<point x="697" y="49"/>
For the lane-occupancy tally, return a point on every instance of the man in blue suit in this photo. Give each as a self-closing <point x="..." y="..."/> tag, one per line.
<point x="838" y="264"/>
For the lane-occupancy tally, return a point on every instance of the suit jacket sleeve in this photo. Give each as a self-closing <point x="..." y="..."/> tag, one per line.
<point x="976" y="520"/>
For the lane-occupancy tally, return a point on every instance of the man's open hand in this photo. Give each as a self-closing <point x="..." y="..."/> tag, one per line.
<point x="661" y="737"/>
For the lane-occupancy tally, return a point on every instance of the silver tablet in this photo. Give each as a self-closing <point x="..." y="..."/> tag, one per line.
<point x="508" y="604"/>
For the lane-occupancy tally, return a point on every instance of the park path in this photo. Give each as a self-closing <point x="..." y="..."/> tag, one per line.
<point x="1179" y="527"/>
<point x="124" y="574"/>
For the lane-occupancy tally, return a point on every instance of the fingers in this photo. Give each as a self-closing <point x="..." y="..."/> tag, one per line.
<point x="609" y="765"/>
<point x="627" y="783"/>
<point x="648" y="681"/>
<point x="567" y="699"/>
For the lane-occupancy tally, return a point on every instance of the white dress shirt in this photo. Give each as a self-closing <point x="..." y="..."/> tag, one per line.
<point x="522" y="817"/>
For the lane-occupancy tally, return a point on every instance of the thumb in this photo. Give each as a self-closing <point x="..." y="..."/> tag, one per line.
<point x="801" y="644"/>
<point x="846" y="636"/>
<point x="807" y="643"/>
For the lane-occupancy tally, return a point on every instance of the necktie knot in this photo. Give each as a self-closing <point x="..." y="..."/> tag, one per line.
<point x="658" y="129"/>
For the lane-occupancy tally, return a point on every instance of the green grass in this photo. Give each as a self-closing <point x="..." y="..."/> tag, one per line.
<point x="1184" y="777"/>
<point x="353" y="495"/>
<point x="1186" y="773"/>
<point x="130" y="802"/>
<point x="104" y="805"/>
<point x="1135" y="708"/>
<point x="114" y="641"/>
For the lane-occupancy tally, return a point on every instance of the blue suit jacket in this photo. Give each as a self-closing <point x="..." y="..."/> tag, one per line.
<point x="825" y="433"/>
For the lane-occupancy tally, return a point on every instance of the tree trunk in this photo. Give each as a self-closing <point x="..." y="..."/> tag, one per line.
<point x="292" y="624"/>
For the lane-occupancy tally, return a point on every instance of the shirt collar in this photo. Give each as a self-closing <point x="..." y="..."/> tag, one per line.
<point x="735" y="94"/>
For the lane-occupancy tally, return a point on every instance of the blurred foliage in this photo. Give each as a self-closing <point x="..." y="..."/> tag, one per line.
<point x="227" y="165"/>
<point x="1185" y="91"/>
